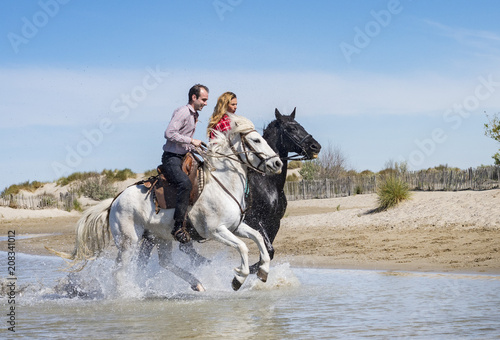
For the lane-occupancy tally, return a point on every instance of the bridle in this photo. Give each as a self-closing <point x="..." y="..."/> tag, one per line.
<point x="247" y="148"/>
<point x="237" y="155"/>
<point x="251" y="149"/>
<point x="299" y="143"/>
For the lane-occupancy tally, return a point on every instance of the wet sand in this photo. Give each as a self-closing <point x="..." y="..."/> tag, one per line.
<point x="434" y="231"/>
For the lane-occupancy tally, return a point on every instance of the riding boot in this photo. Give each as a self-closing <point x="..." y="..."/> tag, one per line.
<point x="180" y="233"/>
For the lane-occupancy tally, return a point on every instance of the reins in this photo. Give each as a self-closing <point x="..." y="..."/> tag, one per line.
<point x="238" y="154"/>
<point x="245" y="144"/>
<point x="238" y="159"/>
<point x="243" y="211"/>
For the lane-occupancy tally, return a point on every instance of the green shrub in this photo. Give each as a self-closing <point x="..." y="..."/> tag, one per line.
<point x="391" y="192"/>
<point x="47" y="201"/>
<point x="294" y="165"/>
<point x="97" y="188"/>
<point x="28" y="186"/>
<point x="367" y="173"/>
<point x="150" y="173"/>
<point x="112" y="175"/>
<point x="310" y="170"/>
<point x="77" y="206"/>
<point x="118" y="175"/>
<point x="292" y="178"/>
<point x="77" y="176"/>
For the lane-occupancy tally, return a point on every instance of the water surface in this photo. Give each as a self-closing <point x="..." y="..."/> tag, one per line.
<point x="295" y="303"/>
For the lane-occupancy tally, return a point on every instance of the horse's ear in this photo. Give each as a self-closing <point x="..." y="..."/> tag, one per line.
<point x="277" y="114"/>
<point x="293" y="113"/>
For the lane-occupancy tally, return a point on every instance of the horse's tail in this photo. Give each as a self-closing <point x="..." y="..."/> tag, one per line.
<point x="92" y="235"/>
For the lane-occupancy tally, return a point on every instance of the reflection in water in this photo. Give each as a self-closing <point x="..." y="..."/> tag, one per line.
<point x="294" y="304"/>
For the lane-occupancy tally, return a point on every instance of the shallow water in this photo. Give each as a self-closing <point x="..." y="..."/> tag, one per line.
<point x="295" y="303"/>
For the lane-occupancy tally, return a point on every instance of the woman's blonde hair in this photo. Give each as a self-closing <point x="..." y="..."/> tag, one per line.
<point x="220" y="109"/>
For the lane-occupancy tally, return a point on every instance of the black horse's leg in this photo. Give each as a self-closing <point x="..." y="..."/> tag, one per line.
<point x="196" y="259"/>
<point x="165" y="257"/>
<point x="270" y="249"/>
<point x="145" y="251"/>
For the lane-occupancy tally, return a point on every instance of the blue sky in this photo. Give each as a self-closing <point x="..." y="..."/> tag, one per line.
<point x="91" y="85"/>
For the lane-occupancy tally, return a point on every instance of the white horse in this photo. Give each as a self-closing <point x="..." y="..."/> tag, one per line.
<point x="217" y="214"/>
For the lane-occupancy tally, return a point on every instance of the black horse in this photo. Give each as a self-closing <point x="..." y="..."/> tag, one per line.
<point x="267" y="201"/>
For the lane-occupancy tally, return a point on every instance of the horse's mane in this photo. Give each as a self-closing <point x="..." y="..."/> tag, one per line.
<point x="239" y="124"/>
<point x="269" y="128"/>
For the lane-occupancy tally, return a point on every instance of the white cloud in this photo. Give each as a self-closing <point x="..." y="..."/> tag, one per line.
<point x="36" y="96"/>
<point x="482" y="44"/>
<point x="69" y="97"/>
<point x="465" y="35"/>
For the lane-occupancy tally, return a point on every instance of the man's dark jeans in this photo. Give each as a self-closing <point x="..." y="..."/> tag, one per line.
<point x="172" y="166"/>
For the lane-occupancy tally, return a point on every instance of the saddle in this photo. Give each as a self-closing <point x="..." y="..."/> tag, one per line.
<point x="164" y="194"/>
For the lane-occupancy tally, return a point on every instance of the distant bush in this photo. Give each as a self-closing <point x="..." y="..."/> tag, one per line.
<point x="97" y="188"/>
<point x="292" y="178"/>
<point x="367" y="173"/>
<point x="76" y="206"/>
<point x="15" y="188"/>
<point x="391" y="192"/>
<point x="118" y="175"/>
<point x="441" y="168"/>
<point x="111" y="175"/>
<point x="77" y="176"/>
<point x="350" y="173"/>
<point x="47" y="201"/>
<point x="150" y="173"/>
<point x="294" y="165"/>
<point x="492" y="130"/>
<point x="310" y="170"/>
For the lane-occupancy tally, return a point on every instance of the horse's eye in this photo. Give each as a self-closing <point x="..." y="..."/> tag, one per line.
<point x="257" y="141"/>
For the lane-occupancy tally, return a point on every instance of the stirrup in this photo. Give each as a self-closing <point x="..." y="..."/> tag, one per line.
<point x="181" y="235"/>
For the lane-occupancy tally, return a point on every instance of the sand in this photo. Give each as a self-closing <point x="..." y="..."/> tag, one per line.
<point x="434" y="231"/>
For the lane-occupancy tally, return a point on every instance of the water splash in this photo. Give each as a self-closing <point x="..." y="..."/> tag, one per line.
<point x="42" y="278"/>
<point x="281" y="276"/>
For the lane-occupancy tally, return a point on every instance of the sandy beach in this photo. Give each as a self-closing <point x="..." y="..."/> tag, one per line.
<point x="434" y="231"/>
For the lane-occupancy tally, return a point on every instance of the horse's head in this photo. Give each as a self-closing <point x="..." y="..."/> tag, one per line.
<point x="259" y="154"/>
<point x="250" y="147"/>
<point x="296" y="138"/>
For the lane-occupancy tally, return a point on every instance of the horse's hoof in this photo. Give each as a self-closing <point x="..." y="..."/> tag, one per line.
<point x="236" y="284"/>
<point x="262" y="275"/>
<point x="198" y="288"/>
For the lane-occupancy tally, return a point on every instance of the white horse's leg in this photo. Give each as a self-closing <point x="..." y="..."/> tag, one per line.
<point x="165" y="259"/>
<point x="125" y="234"/>
<point x="246" y="231"/>
<point x="223" y="235"/>
<point x="127" y="248"/>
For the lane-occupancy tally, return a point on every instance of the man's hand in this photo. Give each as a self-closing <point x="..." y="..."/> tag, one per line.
<point x="196" y="142"/>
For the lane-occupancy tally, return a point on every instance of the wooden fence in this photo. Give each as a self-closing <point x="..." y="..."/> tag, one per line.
<point x="42" y="201"/>
<point x="448" y="180"/>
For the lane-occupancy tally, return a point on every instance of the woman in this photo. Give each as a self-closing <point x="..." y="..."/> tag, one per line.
<point x="220" y="121"/>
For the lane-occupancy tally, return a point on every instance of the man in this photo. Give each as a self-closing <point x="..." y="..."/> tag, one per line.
<point x="179" y="135"/>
